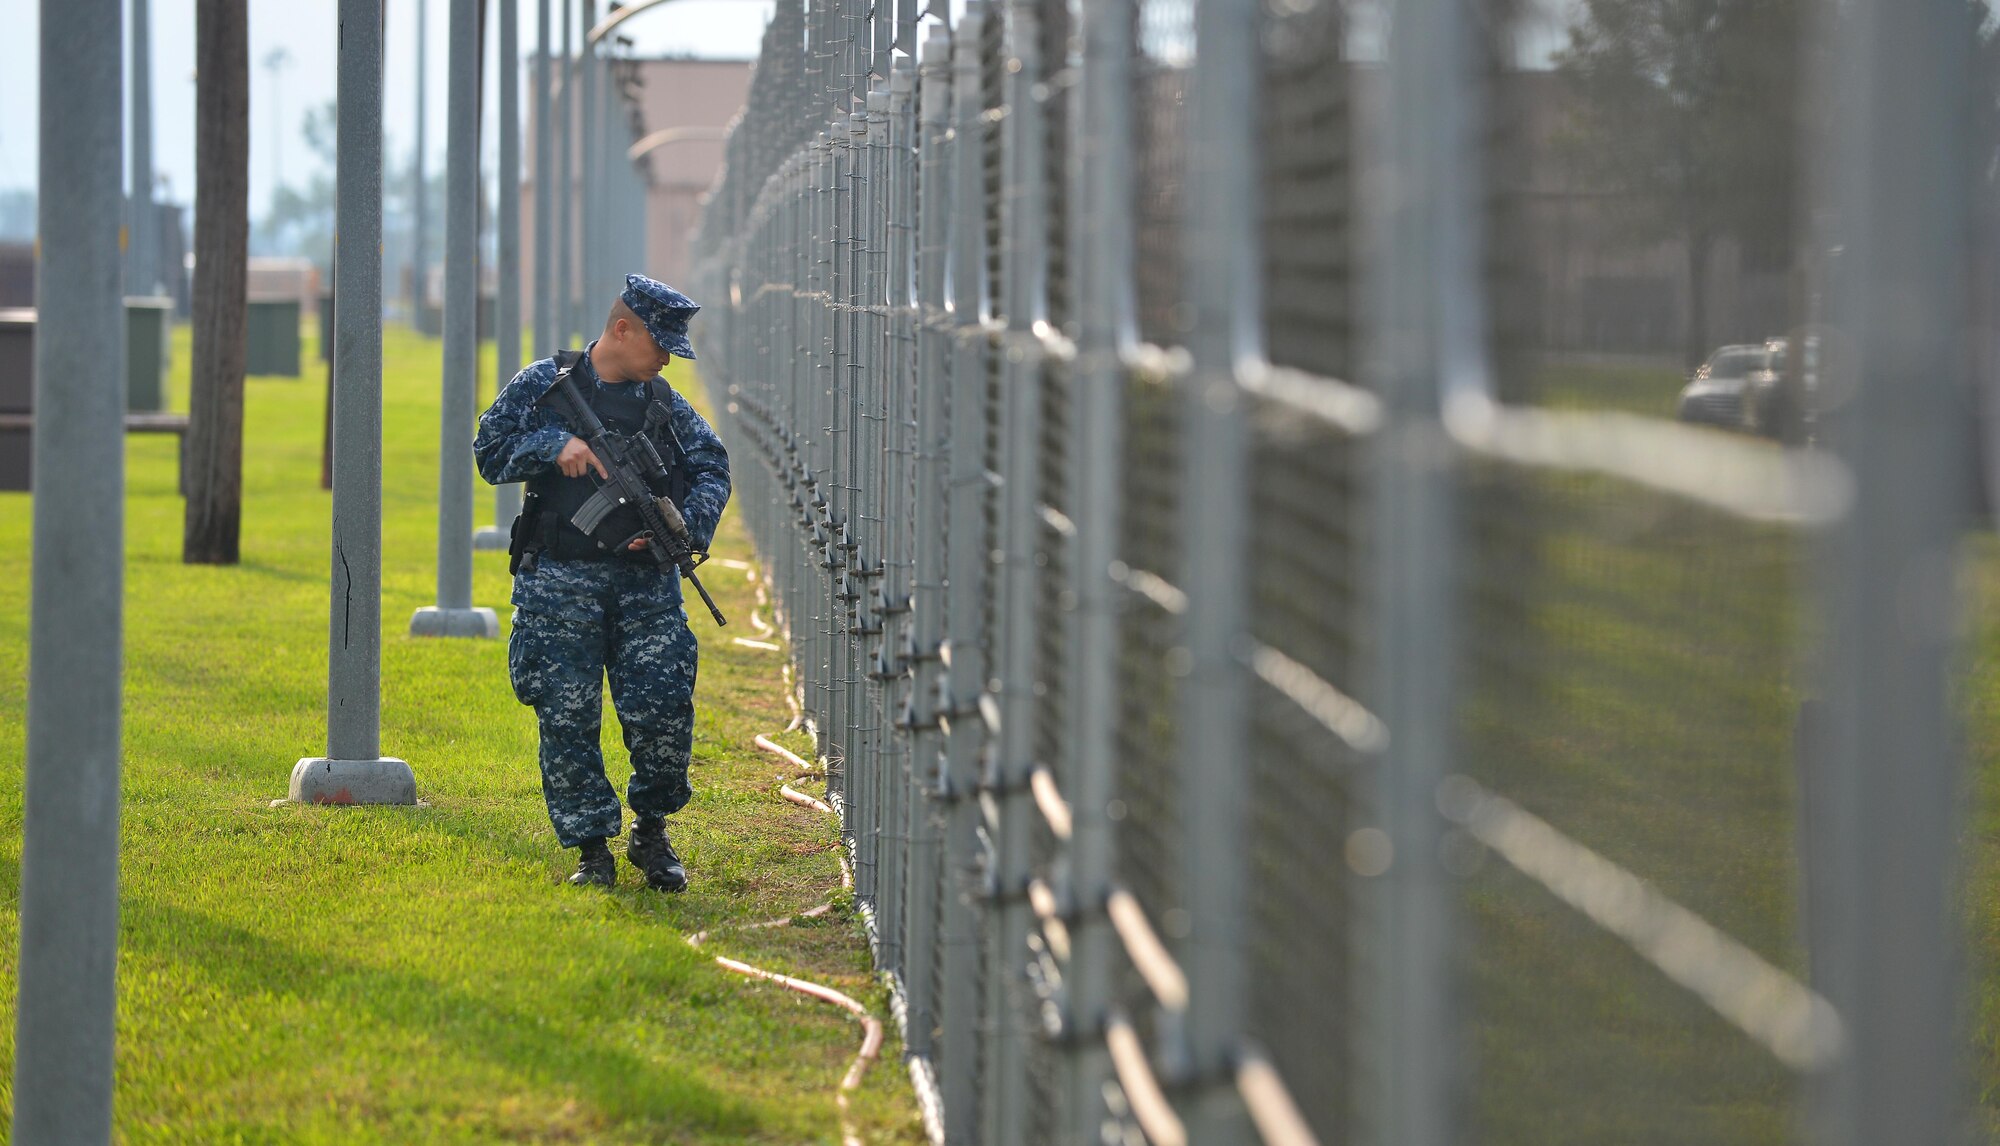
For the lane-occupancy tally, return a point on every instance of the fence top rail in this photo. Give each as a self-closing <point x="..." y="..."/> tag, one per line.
<point x="1752" y="480"/>
<point x="1341" y="405"/>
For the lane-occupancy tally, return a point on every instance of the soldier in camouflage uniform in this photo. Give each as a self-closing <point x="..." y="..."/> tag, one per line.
<point x="585" y="606"/>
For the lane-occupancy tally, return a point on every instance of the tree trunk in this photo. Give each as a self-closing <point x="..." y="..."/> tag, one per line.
<point x="221" y="234"/>
<point x="1700" y="243"/>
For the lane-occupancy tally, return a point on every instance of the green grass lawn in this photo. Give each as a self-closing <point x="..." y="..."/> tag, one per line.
<point x="1637" y="663"/>
<point x="1634" y="685"/>
<point x="1633" y="388"/>
<point x="422" y="974"/>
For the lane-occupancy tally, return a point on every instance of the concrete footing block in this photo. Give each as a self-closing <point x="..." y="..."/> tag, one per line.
<point x="489" y="537"/>
<point x="318" y="780"/>
<point x="432" y="621"/>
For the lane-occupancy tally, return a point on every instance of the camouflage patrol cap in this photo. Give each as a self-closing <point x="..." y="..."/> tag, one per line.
<point x="664" y="310"/>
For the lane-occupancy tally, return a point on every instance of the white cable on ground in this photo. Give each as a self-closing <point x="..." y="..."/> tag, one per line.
<point x="871" y="1038"/>
<point x="803" y="800"/>
<point x="793" y="758"/>
<point x="871" y="1027"/>
<point x="757" y="622"/>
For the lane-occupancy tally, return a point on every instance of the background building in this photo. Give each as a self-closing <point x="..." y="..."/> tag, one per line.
<point x="702" y="96"/>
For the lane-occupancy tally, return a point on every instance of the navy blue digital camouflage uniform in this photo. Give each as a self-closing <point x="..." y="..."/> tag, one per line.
<point x="577" y="621"/>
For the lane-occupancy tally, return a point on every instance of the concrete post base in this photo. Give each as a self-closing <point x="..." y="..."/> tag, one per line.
<point x="432" y="621"/>
<point x="318" y="780"/>
<point x="489" y="537"/>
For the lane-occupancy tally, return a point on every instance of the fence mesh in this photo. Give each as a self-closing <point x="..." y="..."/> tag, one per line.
<point x="1538" y="767"/>
<point x="1159" y="108"/>
<point x="1307" y="180"/>
<point x="1308" y="591"/>
<point x="1634" y="688"/>
<point x="1151" y="656"/>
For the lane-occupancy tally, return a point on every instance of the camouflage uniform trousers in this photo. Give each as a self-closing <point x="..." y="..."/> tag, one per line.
<point x="574" y="621"/>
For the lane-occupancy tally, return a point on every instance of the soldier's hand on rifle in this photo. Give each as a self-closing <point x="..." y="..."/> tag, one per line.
<point x="576" y="455"/>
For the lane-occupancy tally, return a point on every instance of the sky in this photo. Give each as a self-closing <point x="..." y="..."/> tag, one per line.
<point x="302" y="32"/>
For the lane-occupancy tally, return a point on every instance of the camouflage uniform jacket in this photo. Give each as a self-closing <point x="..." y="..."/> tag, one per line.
<point x="519" y="438"/>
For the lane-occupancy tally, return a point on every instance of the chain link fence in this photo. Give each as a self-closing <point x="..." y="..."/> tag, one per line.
<point x="1275" y="685"/>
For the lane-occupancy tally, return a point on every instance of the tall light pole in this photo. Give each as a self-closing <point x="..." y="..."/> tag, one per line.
<point x="591" y="147"/>
<point x="454" y="614"/>
<point x="142" y="265"/>
<point x="507" y="307"/>
<point x="354" y="771"/>
<point x="420" y="226"/>
<point x="66" y="1011"/>
<point x="565" y="174"/>
<point x="545" y="321"/>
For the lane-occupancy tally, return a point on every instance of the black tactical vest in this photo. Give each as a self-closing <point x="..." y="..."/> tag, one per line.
<point x="555" y="499"/>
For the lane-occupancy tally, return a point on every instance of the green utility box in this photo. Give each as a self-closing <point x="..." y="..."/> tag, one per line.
<point x="148" y="352"/>
<point x="17" y="396"/>
<point x="274" y="337"/>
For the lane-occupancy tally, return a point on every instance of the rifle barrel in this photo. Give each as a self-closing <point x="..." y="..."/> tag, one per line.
<point x="706" y="599"/>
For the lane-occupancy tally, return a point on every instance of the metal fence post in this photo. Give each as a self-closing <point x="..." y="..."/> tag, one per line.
<point x="420" y="179"/>
<point x="507" y="303"/>
<point x="600" y="190"/>
<point x="893" y="599"/>
<point x="564" y="311"/>
<point x="1220" y="288"/>
<point x="1105" y="331"/>
<point x="590" y="177"/>
<point x="881" y="468"/>
<point x="545" y="319"/>
<point x="1010" y="810"/>
<point x="617" y="172"/>
<point x="928" y="590"/>
<point x="66" y="1009"/>
<point x="863" y="793"/>
<point x="1428" y="288"/>
<point x="833" y="486"/>
<point x="635" y="229"/>
<point x="966" y="571"/>
<point x="353" y="769"/>
<point x="815" y="419"/>
<point x="882" y="41"/>
<point x="454" y="615"/>
<point x="1900" y="148"/>
<point x="143" y="266"/>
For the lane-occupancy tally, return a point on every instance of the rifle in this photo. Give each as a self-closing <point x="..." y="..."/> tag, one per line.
<point x="634" y="465"/>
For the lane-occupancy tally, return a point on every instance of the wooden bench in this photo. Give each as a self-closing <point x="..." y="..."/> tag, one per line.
<point x="135" y="423"/>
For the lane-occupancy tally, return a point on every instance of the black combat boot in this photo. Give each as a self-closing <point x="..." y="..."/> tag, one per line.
<point x="594" y="866"/>
<point x="653" y="854"/>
